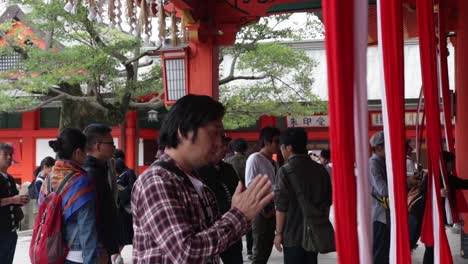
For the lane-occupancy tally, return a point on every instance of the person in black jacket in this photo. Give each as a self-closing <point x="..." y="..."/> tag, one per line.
<point x="100" y="148"/>
<point x="125" y="180"/>
<point x="222" y="179"/>
<point x="9" y="202"/>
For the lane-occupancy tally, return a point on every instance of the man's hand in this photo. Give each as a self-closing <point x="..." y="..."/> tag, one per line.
<point x="21" y="199"/>
<point x="17" y="199"/>
<point x="253" y="199"/>
<point x="443" y="193"/>
<point x="278" y="239"/>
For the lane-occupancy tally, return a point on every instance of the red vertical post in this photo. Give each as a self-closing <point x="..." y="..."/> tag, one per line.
<point x="461" y="86"/>
<point x="204" y="63"/>
<point x="28" y="160"/>
<point x="130" y="139"/>
<point x="267" y="120"/>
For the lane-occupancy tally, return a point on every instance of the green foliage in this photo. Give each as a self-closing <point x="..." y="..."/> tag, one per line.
<point x="82" y="53"/>
<point x="282" y="82"/>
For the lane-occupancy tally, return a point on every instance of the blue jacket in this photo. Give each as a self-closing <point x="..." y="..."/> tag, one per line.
<point x="79" y="207"/>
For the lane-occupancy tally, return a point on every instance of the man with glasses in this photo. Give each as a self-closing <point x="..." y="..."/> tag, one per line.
<point x="100" y="148"/>
<point x="263" y="227"/>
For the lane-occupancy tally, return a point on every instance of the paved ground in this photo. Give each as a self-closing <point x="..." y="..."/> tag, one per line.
<point x="22" y="257"/>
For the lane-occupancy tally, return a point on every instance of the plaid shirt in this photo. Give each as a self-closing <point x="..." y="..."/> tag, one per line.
<point x="170" y="223"/>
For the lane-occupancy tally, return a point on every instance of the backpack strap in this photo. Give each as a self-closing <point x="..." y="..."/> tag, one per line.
<point x="306" y="208"/>
<point x="49" y="185"/>
<point x="174" y="169"/>
<point x="64" y="181"/>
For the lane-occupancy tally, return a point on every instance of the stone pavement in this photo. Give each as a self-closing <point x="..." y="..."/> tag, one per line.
<point x="22" y="255"/>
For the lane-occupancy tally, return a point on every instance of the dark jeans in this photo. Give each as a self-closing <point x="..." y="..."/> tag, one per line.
<point x="70" y="262"/>
<point x="296" y="255"/>
<point x="414" y="230"/>
<point x="263" y="231"/>
<point x="428" y="255"/>
<point x="381" y="243"/>
<point x="249" y="240"/>
<point x="7" y="247"/>
<point x="233" y="255"/>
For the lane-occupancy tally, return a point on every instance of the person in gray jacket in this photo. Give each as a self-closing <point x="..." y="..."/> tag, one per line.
<point x="380" y="210"/>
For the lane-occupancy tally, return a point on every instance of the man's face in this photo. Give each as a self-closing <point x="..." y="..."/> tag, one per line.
<point x="273" y="146"/>
<point x="285" y="151"/>
<point x="6" y="157"/>
<point x="380" y="150"/>
<point x="105" y="147"/>
<point x="221" y="152"/>
<point x="323" y="160"/>
<point x="206" y="146"/>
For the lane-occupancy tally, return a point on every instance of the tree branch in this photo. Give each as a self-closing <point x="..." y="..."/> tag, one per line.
<point x="146" y="53"/>
<point x="46" y="102"/>
<point x="148" y="63"/>
<point x="232" y="78"/>
<point x="154" y="103"/>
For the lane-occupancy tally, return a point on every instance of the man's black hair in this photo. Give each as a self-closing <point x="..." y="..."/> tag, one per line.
<point x="295" y="137"/>
<point x="189" y="113"/>
<point x="267" y="134"/>
<point x="239" y="145"/>
<point x="448" y="156"/>
<point x="119" y="154"/>
<point x="325" y="154"/>
<point x="119" y="165"/>
<point x="6" y="147"/>
<point x="95" y="133"/>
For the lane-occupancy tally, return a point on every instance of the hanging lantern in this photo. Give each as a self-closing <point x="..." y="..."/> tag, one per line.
<point x="175" y="74"/>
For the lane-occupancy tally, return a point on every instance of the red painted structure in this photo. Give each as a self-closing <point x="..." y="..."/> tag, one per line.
<point x="24" y="139"/>
<point x="215" y="23"/>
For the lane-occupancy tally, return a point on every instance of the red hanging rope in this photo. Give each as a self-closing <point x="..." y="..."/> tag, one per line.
<point x="391" y="41"/>
<point x="427" y="47"/>
<point x="339" y="44"/>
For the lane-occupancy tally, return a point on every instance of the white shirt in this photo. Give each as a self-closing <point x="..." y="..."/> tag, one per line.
<point x="410" y="167"/>
<point x="257" y="164"/>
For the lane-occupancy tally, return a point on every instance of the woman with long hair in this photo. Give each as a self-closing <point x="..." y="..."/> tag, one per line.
<point x="40" y="174"/>
<point x="78" y="196"/>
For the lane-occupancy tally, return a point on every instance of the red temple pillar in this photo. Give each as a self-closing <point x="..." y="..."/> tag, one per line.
<point x="267" y="120"/>
<point x="204" y="62"/>
<point x="461" y="86"/>
<point x="28" y="160"/>
<point x="130" y="139"/>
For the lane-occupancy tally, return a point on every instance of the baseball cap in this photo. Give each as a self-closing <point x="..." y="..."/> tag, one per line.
<point x="377" y="139"/>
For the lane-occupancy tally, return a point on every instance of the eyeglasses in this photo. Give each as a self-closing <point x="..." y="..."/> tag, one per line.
<point x="109" y="143"/>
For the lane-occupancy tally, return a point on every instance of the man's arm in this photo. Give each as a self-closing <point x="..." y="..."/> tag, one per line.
<point x="16" y="200"/>
<point x="281" y="203"/>
<point x="280" y="219"/>
<point x="251" y="170"/>
<point x="378" y="180"/>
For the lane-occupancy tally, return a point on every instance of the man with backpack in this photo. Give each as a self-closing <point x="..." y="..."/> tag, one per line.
<point x="10" y="213"/>
<point x="302" y="186"/>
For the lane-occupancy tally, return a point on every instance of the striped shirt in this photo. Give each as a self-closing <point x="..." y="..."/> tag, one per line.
<point x="171" y="223"/>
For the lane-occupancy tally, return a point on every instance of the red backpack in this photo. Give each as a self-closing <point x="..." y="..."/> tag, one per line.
<point x="47" y="244"/>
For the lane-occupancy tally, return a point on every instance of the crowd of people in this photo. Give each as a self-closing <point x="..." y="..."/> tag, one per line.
<point x="202" y="194"/>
